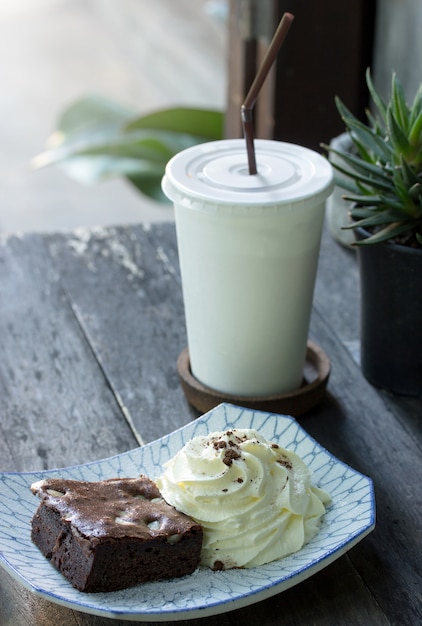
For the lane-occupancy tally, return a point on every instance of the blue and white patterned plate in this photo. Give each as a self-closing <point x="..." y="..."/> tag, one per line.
<point x="349" y="518"/>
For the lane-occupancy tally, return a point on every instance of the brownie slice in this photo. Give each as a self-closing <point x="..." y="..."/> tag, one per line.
<point x="112" y="534"/>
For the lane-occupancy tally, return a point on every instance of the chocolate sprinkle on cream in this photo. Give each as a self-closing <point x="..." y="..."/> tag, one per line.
<point x="285" y="462"/>
<point x="218" y="566"/>
<point x="230" y="456"/>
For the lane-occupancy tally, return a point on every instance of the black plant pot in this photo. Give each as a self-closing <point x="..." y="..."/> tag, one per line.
<point x="391" y="316"/>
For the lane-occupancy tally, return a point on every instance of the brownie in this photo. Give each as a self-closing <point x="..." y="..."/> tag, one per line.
<point x="112" y="534"/>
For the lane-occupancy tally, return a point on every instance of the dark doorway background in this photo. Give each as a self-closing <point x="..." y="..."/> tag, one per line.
<point x="326" y="53"/>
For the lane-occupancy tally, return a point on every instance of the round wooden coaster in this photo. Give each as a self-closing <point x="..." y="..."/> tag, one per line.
<point x="295" y="403"/>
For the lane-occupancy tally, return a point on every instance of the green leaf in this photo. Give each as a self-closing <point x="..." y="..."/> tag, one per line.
<point x="363" y="200"/>
<point x="90" y="115"/>
<point x="109" y="135"/>
<point x="397" y="137"/>
<point x="345" y="113"/>
<point x="392" y="208"/>
<point x="374" y="123"/>
<point x="147" y="147"/>
<point x="415" y="191"/>
<point x="370" y="221"/>
<point x="116" y="144"/>
<point x="407" y="174"/>
<point x="145" y="176"/>
<point x="409" y="207"/>
<point x="389" y="232"/>
<point x="149" y="186"/>
<point x="416" y="108"/>
<point x="415" y="133"/>
<point x="363" y="167"/>
<point x="346" y="184"/>
<point x="370" y="141"/>
<point x="364" y="154"/>
<point x="368" y="183"/>
<point x="376" y="98"/>
<point x="399" y="106"/>
<point x="198" y="122"/>
<point x="97" y="139"/>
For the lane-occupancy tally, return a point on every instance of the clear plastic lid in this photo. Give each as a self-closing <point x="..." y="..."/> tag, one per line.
<point x="217" y="173"/>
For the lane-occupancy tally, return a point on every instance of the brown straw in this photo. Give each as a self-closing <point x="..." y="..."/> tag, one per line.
<point x="253" y="93"/>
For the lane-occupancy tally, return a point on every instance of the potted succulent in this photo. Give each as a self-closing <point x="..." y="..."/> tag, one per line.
<point x="382" y="175"/>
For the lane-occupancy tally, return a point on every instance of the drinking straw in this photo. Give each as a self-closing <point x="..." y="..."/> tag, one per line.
<point x="247" y="107"/>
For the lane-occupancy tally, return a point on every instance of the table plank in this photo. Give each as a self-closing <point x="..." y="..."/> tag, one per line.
<point x="118" y="303"/>
<point x="128" y="299"/>
<point x="337" y="288"/>
<point x="356" y="425"/>
<point x="56" y="406"/>
<point x="338" y="590"/>
<point x="335" y="325"/>
<point x="364" y="428"/>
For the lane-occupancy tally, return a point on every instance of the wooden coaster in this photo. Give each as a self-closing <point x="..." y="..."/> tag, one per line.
<point x="295" y="403"/>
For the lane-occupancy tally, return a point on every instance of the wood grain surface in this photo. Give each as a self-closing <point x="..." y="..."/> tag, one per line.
<point x="91" y="325"/>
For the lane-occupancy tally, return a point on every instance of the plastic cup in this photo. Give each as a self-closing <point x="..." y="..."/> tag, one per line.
<point x="248" y="249"/>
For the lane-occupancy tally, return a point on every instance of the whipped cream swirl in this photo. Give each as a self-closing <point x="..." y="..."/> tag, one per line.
<point x="253" y="498"/>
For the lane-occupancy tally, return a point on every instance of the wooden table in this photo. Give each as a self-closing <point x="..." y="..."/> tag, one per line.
<point x="91" y="325"/>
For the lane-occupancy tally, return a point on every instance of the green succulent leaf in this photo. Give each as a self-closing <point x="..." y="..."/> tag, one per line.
<point x="407" y="173"/>
<point x="415" y="191"/>
<point x="364" y="135"/>
<point x="389" y="232"/>
<point x="367" y="182"/>
<point x="371" y="220"/>
<point x="415" y="135"/>
<point x="374" y="123"/>
<point x="383" y="176"/>
<point x="399" y="107"/>
<point x="363" y="200"/>
<point x="346" y="184"/>
<point x="376" y="98"/>
<point x="362" y="151"/>
<point x="365" y="168"/>
<point x="416" y="106"/>
<point x="398" y="138"/>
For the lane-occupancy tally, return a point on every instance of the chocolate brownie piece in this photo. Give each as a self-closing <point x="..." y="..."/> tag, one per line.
<point x="112" y="534"/>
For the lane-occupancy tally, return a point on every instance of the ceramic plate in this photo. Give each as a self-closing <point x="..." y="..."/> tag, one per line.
<point x="349" y="518"/>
